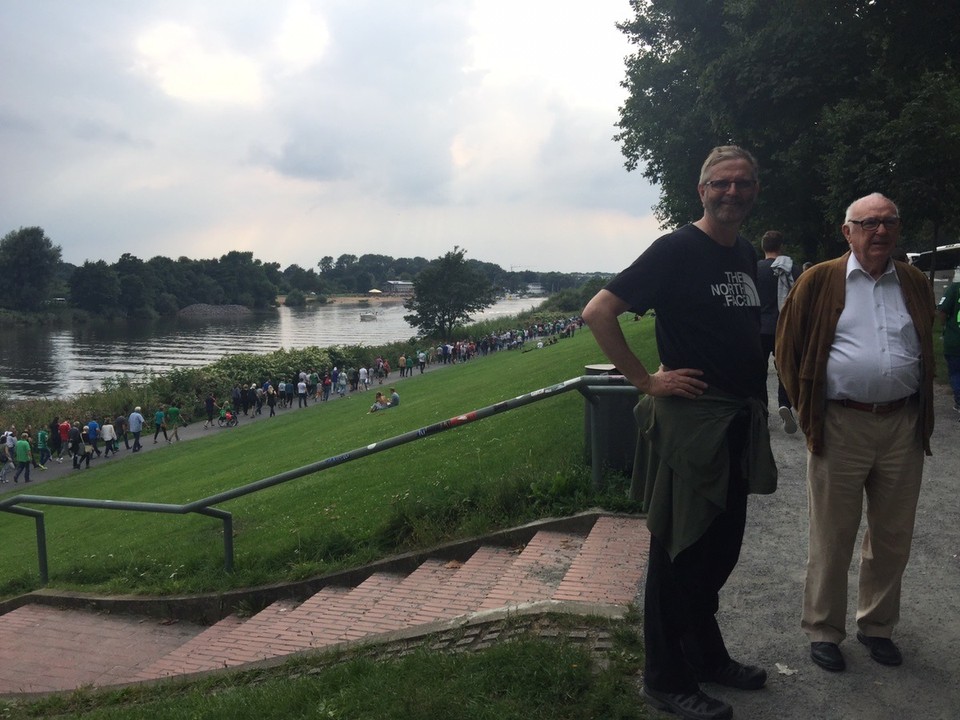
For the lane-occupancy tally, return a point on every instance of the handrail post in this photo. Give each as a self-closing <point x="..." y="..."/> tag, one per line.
<point x="228" y="543"/>
<point x="42" y="549"/>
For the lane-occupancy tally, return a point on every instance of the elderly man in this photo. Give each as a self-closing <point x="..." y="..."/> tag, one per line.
<point x="855" y="353"/>
<point x="703" y="422"/>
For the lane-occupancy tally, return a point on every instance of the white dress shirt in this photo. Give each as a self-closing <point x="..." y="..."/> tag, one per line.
<point x="875" y="356"/>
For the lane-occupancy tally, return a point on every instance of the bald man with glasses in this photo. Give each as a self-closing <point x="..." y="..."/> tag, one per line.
<point x="854" y="350"/>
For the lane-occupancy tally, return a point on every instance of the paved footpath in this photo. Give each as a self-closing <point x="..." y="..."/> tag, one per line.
<point x="196" y="430"/>
<point x="760" y="606"/>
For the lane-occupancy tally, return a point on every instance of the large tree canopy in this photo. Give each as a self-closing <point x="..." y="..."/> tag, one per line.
<point x="836" y="100"/>
<point x="446" y="292"/>
<point x="29" y="261"/>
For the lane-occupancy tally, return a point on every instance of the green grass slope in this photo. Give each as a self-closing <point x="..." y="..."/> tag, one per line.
<point x="487" y="475"/>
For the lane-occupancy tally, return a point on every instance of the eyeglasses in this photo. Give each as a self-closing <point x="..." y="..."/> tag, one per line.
<point x="724" y="185"/>
<point x="873" y="223"/>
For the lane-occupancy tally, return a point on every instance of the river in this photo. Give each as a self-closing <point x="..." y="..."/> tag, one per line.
<point x="45" y="362"/>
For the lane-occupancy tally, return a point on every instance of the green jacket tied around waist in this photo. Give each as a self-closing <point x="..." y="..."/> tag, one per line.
<point x="683" y="463"/>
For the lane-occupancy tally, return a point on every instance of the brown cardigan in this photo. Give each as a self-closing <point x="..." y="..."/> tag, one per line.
<point x="805" y="332"/>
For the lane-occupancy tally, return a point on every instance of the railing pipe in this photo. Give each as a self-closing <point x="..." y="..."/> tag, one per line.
<point x="588" y="385"/>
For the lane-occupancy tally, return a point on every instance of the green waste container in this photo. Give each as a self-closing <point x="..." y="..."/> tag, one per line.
<point x="611" y="416"/>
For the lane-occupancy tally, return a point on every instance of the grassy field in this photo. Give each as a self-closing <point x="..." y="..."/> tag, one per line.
<point x="494" y="473"/>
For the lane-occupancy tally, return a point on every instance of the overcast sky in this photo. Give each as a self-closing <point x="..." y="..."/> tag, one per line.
<point x="302" y="128"/>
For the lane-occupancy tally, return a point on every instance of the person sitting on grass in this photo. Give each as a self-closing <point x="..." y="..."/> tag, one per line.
<point x="394" y="397"/>
<point x="380" y="404"/>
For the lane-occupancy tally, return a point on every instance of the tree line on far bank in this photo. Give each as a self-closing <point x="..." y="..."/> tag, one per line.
<point x="37" y="279"/>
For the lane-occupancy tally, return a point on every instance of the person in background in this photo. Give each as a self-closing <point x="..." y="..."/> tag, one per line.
<point x="379" y="403"/>
<point x="855" y="353"/>
<point x="64" y="439"/>
<point x="24" y="456"/>
<point x="174" y="421"/>
<point x="120" y="428"/>
<point x="949" y="309"/>
<point x="135" y="423"/>
<point x="56" y="444"/>
<point x="43" y="448"/>
<point x="109" y="435"/>
<point x="776" y="274"/>
<point x="160" y="424"/>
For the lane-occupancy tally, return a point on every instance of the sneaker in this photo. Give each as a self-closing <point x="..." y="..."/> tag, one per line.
<point x="737" y="675"/>
<point x="789" y="422"/>
<point x="691" y="706"/>
<point x="41" y="467"/>
<point x="59" y="460"/>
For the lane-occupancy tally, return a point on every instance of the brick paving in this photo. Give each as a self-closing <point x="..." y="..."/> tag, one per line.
<point x="46" y="649"/>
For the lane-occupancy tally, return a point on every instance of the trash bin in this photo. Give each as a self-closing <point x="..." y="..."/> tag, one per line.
<point x="610" y="416"/>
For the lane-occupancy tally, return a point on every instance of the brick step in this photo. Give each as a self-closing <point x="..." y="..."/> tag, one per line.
<point x="606" y="566"/>
<point x="536" y="572"/>
<point x="610" y="565"/>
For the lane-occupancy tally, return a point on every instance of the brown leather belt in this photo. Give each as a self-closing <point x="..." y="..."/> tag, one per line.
<point x="876" y="408"/>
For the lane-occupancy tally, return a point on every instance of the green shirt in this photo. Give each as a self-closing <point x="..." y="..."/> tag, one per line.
<point x="173" y="415"/>
<point x="950" y="306"/>
<point x="22" y="451"/>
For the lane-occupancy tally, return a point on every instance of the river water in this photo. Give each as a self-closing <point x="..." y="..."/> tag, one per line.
<point x="44" y="362"/>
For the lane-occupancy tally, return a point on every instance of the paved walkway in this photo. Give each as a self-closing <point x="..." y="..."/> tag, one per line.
<point x="196" y="430"/>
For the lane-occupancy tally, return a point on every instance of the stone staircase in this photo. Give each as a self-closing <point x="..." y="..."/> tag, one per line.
<point x="585" y="572"/>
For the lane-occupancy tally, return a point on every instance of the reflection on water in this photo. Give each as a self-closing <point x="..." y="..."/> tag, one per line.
<point x="40" y="362"/>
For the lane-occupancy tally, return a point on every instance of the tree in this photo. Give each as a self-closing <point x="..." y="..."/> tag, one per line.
<point x="811" y="88"/>
<point x="95" y="287"/>
<point x="445" y="293"/>
<point x="29" y="260"/>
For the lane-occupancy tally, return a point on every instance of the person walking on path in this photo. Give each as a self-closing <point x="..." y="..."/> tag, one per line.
<point x="174" y="421"/>
<point x="210" y="405"/>
<point x="93" y="430"/>
<point x="703" y="422"/>
<point x="85" y="449"/>
<point x="160" y="424"/>
<point x="64" y="439"/>
<point x="949" y="309"/>
<point x="855" y="354"/>
<point x="135" y="423"/>
<point x="776" y="274"/>
<point x="24" y="457"/>
<point x="109" y="435"/>
<point x="120" y="423"/>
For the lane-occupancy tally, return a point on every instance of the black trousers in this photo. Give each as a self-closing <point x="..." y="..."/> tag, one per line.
<point x="682" y="595"/>
<point x="768" y="343"/>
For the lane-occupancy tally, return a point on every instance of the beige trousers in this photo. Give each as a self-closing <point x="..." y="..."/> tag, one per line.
<point x="880" y="456"/>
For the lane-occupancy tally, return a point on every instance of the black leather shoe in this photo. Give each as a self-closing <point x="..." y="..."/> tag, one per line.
<point x="735" y="675"/>
<point x="828" y="656"/>
<point x="882" y="650"/>
<point x="691" y="706"/>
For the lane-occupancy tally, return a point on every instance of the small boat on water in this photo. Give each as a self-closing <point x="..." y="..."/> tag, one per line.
<point x="368" y="316"/>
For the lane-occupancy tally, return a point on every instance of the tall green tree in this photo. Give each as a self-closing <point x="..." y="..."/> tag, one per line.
<point x="446" y="292"/>
<point x="812" y="88"/>
<point x="95" y="287"/>
<point x="29" y="260"/>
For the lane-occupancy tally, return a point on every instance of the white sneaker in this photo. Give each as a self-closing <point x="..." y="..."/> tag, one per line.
<point x="789" y="422"/>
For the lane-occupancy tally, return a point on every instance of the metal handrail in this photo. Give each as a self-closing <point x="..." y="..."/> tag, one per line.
<point x="590" y="386"/>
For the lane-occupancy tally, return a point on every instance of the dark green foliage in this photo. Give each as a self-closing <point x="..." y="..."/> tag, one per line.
<point x="28" y="259"/>
<point x="295" y="298"/>
<point x="446" y="293"/>
<point x="836" y="100"/>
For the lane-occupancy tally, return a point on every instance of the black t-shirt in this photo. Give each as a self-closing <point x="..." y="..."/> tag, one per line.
<point x="707" y="307"/>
